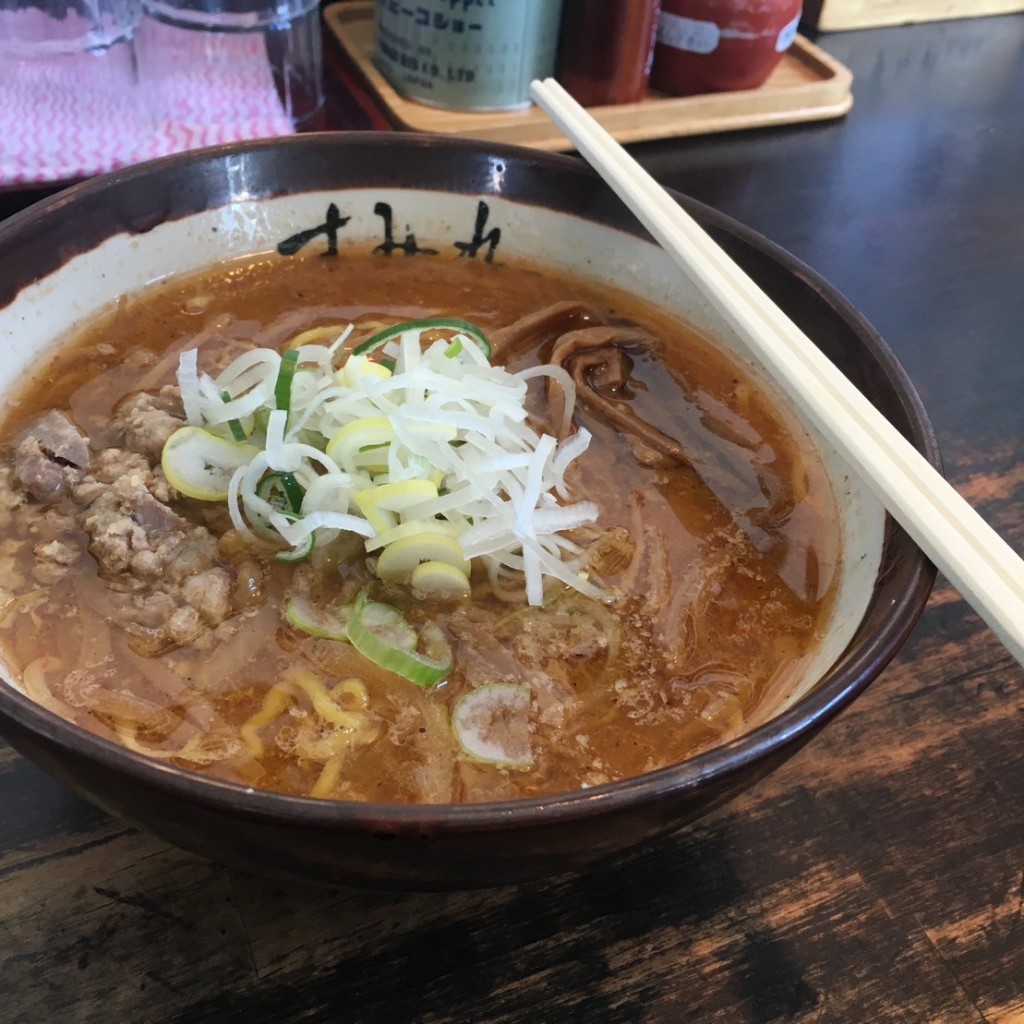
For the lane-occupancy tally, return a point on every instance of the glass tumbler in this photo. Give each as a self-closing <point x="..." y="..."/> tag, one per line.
<point x="241" y="68"/>
<point x="69" y="98"/>
<point x="41" y="29"/>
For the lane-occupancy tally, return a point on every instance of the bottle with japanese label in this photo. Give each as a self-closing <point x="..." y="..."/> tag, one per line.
<point x="721" y="45"/>
<point x="466" y="54"/>
<point x="605" y="49"/>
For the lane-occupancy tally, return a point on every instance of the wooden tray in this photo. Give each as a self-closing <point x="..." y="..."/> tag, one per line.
<point x="807" y="85"/>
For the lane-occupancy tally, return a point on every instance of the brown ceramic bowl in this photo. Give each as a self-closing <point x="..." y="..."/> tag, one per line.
<point x="64" y="258"/>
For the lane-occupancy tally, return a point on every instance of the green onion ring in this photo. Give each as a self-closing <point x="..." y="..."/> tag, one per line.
<point x="417" y="668"/>
<point x="235" y="426"/>
<point x="285" y="376"/>
<point x="285" y="484"/>
<point x="298" y="555"/>
<point x="442" y="323"/>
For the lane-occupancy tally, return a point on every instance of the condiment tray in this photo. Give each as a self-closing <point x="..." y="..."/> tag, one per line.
<point x="807" y="85"/>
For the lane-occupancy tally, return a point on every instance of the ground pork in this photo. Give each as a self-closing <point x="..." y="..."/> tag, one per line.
<point x="50" y="456"/>
<point x="147" y="420"/>
<point x="166" y="583"/>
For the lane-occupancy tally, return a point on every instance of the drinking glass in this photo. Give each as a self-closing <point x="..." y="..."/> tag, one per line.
<point x="41" y="29"/>
<point x="236" y="68"/>
<point x="69" y="98"/>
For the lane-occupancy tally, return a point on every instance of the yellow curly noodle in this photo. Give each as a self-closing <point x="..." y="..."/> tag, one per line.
<point x="356" y="726"/>
<point x="318" y="335"/>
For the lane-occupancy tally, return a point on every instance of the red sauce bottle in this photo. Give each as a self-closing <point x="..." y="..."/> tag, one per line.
<point x="721" y="45"/>
<point x="605" y="49"/>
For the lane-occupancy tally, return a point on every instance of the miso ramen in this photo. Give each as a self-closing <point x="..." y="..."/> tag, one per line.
<point x="407" y="530"/>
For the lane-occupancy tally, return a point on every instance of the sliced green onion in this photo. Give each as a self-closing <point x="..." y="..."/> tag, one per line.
<point x="379" y="632"/>
<point x="439" y="580"/>
<point x="357" y="436"/>
<point x="285" y="493"/>
<point x="412" y="528"/>
<point x="277" y="486"/>
<point x="329" y="622"/>
<point x="398" y="560"/>
<point x="200" y="464"/>
<point x="388" y="624"/>
<point x="421" y="466"/>
<point x="298" y="554"/>
<point x="492" y="725"/>
<point x="235" y="426"/>
<point x="285" y="376"/>
<point x="440" y="323"/>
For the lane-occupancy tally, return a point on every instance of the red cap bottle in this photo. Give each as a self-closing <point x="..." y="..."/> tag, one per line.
<point x="721" y="45"/>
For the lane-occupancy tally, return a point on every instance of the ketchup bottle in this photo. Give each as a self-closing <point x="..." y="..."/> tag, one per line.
<point x="721" y="45"/>
<point x="605" y="49"/>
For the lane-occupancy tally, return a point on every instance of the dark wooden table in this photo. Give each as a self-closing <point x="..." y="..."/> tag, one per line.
<point x="878" y="877"/>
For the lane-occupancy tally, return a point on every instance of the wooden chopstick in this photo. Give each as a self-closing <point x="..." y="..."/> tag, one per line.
<point x="979" y="563"/>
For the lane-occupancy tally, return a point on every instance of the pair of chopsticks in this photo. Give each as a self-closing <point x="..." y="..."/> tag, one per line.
<point x="983" y="567"/>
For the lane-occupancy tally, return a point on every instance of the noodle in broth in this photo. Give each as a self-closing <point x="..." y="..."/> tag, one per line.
<point x="151" y="619"/>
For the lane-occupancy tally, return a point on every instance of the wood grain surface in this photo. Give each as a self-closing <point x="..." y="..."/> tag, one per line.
<point x="877" y="877"/>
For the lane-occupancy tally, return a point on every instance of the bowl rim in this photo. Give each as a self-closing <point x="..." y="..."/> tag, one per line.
<point x="834" y="691"/>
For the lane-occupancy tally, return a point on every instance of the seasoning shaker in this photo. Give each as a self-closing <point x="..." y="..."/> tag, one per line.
<point x="466" y="54"/>
<point x="605" y="49"/>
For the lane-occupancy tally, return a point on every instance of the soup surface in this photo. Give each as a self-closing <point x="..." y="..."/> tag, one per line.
<point x="150" y="618"/>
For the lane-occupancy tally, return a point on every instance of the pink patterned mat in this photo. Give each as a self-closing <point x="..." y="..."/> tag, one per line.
<point x="73" y="116"/>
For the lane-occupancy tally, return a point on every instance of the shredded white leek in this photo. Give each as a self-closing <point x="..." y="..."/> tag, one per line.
<point x="443" y="416"/>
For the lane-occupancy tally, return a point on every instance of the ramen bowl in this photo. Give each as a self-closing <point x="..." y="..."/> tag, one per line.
<point x="64" y="259"/>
